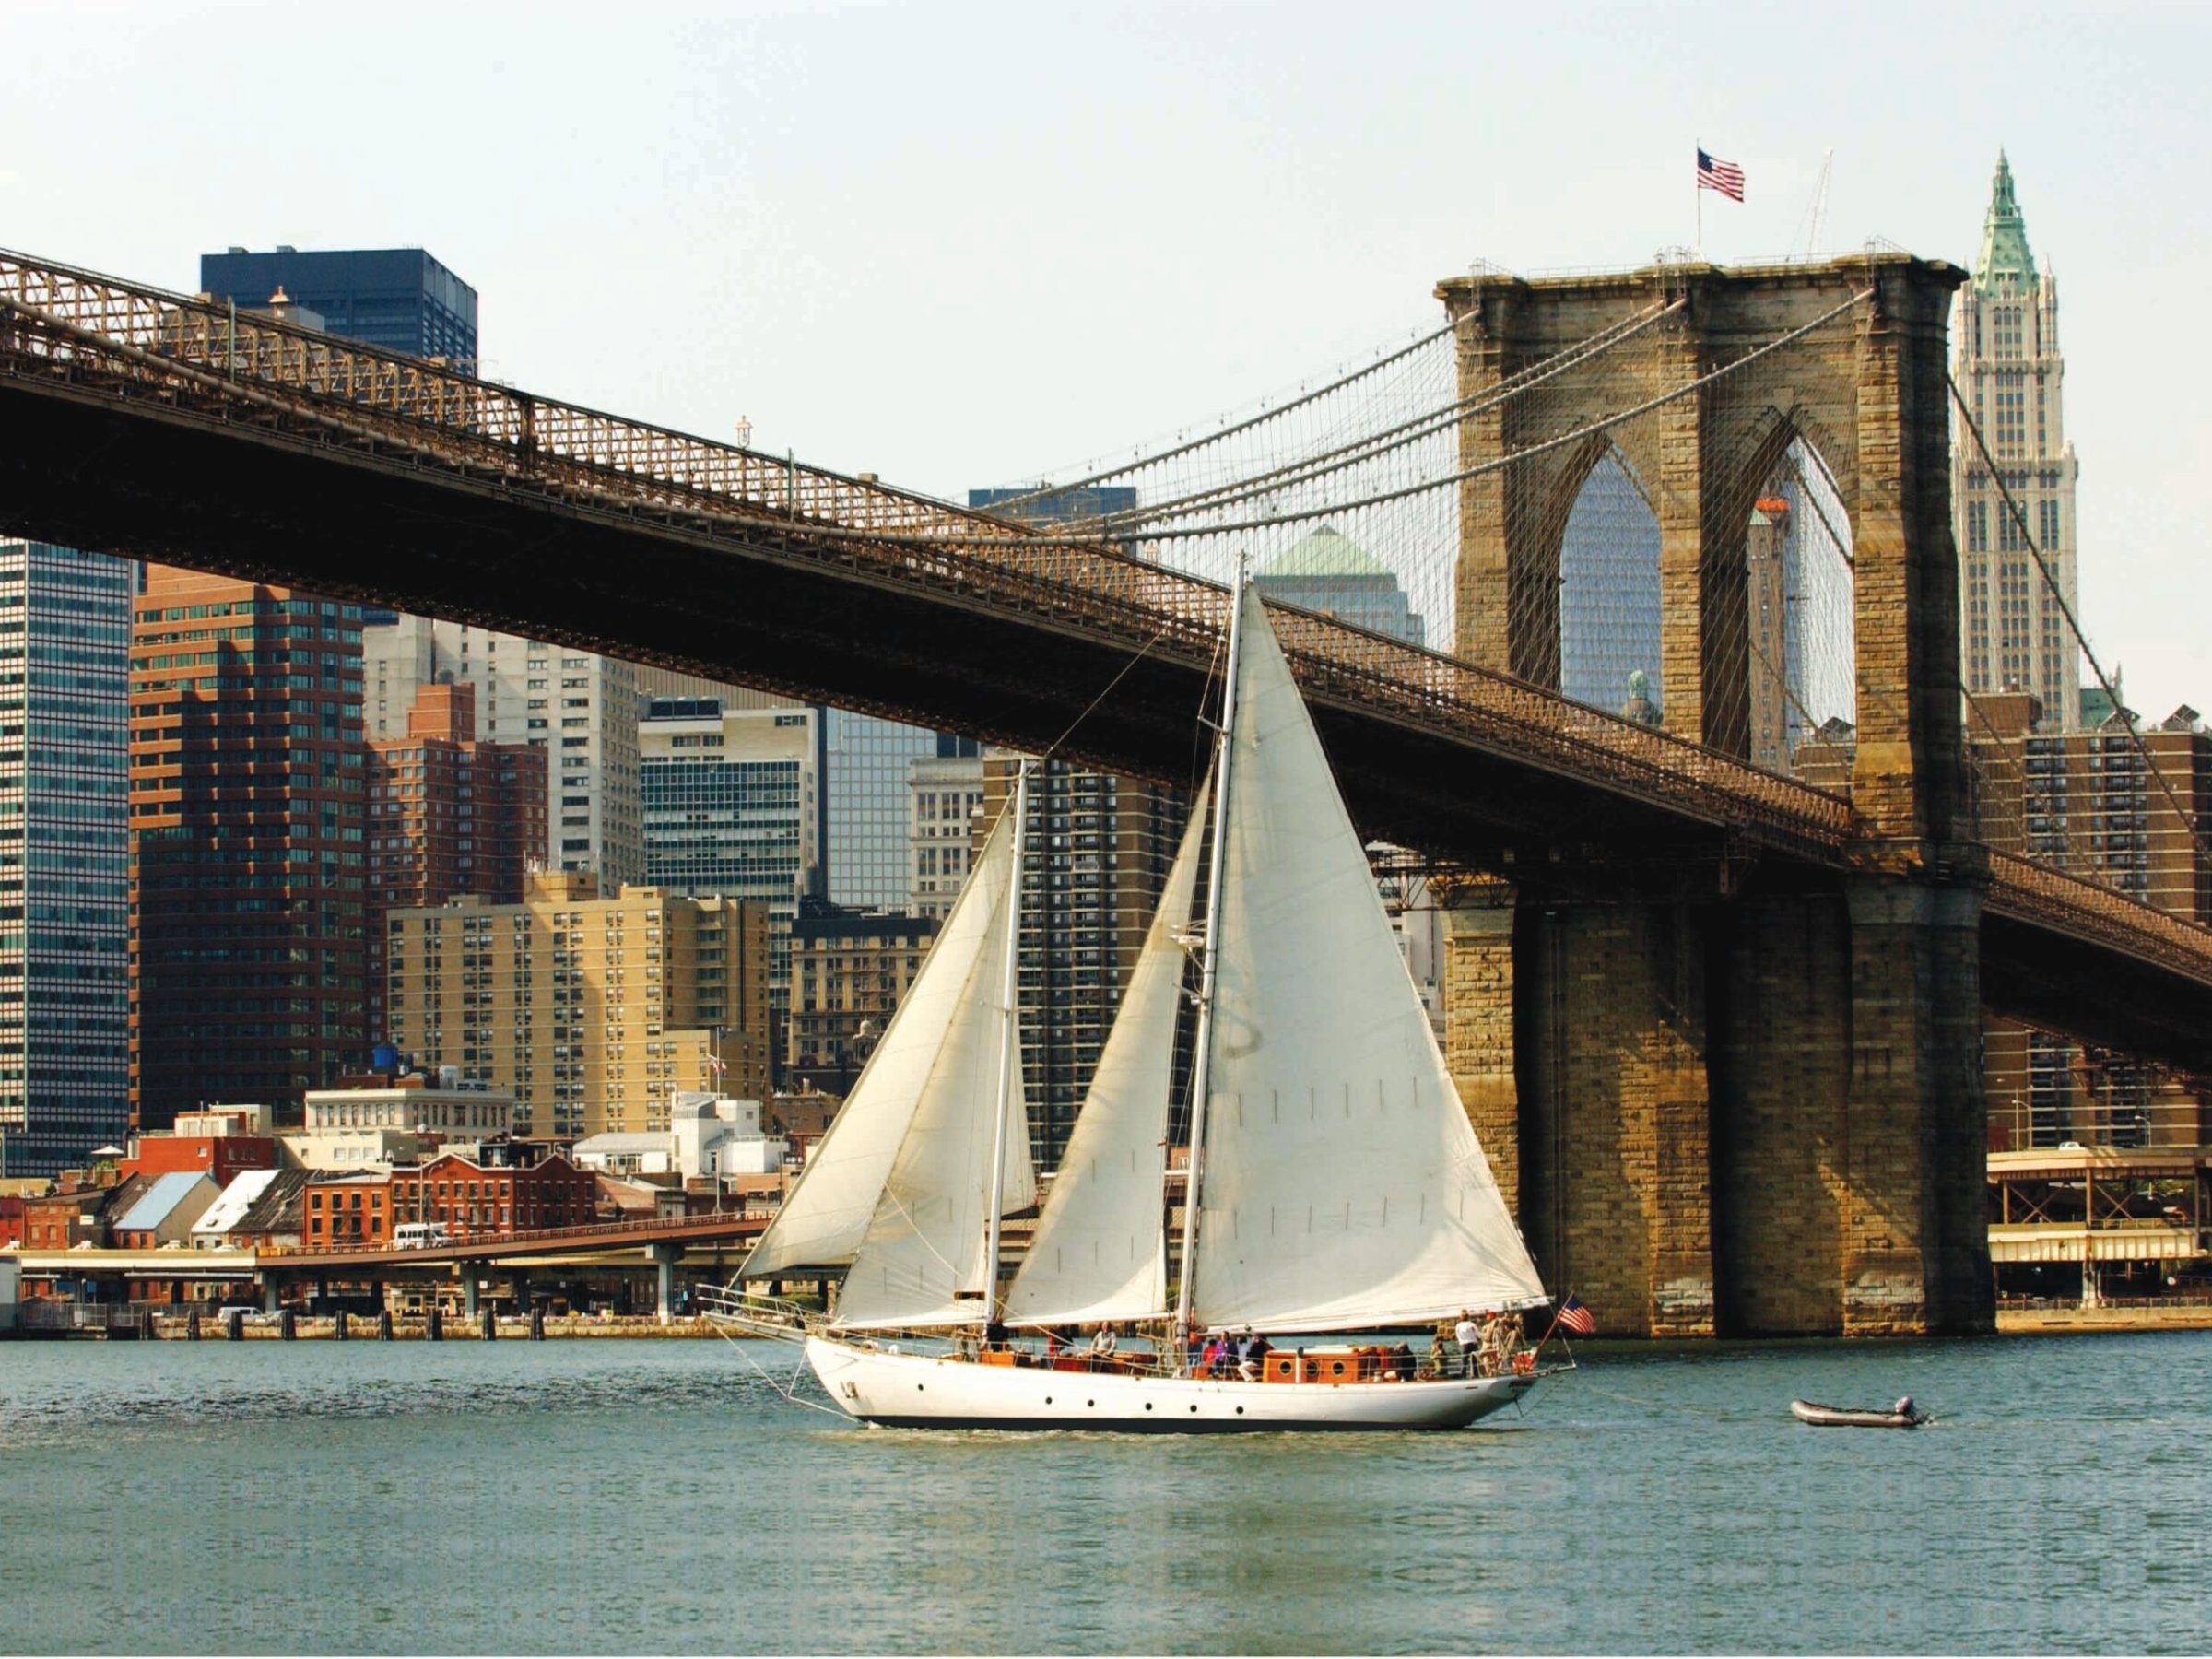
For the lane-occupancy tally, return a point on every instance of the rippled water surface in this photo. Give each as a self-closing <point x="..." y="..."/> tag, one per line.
<point x="659" y="1497"/>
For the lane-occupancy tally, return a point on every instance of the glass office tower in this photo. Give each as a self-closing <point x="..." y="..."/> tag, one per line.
<point x="65" y="854"/>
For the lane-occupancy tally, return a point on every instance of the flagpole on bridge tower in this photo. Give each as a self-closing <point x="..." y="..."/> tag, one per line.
<point x="1696" y="189"/>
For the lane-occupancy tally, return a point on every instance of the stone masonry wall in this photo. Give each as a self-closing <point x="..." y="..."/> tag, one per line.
<point x="1615" y="1139"/>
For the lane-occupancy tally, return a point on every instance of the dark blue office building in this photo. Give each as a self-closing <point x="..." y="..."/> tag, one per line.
<point x="397" y="298"/>
<point x="1042" y="504"/>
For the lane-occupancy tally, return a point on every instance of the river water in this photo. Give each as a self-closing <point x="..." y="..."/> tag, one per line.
<point x="658" y="1496"/>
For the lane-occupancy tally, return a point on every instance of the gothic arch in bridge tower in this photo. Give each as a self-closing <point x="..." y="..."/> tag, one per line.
<point x="1601" y="536"/>
<point x="1780" y="539"/>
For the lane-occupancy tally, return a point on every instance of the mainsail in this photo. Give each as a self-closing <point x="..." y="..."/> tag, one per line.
<point x="921" y="1260"/>
<point x="830" y="1210"/>
<point x="1342" y="1184"/>
<point x="1099" y="1251"/>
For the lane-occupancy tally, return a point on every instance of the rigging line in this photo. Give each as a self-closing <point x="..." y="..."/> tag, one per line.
<point x="789" y="1391"/>
<point x="1600" y="340"/>
<point x="1372" y="446"/>
<point x="1498" y="462"/>
<point x="2020" y="517"/>
<point x="1106" y="691"/>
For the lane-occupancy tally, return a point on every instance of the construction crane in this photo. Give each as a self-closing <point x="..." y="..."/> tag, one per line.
<point x="1817" y="212"/>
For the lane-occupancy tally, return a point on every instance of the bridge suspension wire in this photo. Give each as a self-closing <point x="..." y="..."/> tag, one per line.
<point x="2057" y="596"/>
<point x="1015" y="504"/>
<point x="1366" y="448"/>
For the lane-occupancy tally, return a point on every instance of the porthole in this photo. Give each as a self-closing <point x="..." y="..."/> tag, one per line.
<point x="917" y="1388"/>
<point x="1239" y="1411"/>
<point x="1148" y="1405"/>
<point x="1047" y="1399"/>
<point x="1091" y="1402"/>
<point x="1193" y="1406"/>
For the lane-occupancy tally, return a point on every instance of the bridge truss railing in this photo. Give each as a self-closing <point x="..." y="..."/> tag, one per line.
<point x="251" y="348"/>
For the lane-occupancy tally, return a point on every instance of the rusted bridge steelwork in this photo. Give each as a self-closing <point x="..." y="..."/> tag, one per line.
<point x="152" y="423"/>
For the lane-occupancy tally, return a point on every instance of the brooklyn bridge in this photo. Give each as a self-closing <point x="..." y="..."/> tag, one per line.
<point x="1717" y="967"/>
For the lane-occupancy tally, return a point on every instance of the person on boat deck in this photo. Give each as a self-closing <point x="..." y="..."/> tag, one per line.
<point x="1402" y="1361"/>
<point x="1102" y="1344"/>
<point x="995" y="1333"/>
<point x="1210" y="1357"/>
<point x="1250" y="1352"/>
<point x="1468" y="1334"/>
<point x="1053" y="1345"/>
<point x="1497" y="1343"/>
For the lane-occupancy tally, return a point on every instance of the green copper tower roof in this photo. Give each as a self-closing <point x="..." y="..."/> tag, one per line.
<point x="1326" y="553"/>
<point x="2004" y="235"/>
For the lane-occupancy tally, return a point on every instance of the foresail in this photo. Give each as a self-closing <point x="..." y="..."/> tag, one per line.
<point x="1342" y="1184"/>
<point x="920" y="1260"/>
<point x="826" y="1216"/>
<point x="1100" y="1253"/>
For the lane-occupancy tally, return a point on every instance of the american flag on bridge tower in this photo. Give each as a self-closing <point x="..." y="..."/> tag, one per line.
<point x="1724" y="176"/>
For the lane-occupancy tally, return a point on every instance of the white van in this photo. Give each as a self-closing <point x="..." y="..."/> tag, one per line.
<point x="419" y="1235"/>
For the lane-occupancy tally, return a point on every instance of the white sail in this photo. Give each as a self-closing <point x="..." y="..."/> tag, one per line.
<point x="827" y="1214"/>
<point x="921" y="1261"/>
<point x="1343" y="1186"/>
<point x="1100" y="1253"/>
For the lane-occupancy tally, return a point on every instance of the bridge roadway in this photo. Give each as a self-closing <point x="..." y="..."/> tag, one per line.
<point x="149" y="424"/>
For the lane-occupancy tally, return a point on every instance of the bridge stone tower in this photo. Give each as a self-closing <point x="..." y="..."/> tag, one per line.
<point x="1726" y="1103"/>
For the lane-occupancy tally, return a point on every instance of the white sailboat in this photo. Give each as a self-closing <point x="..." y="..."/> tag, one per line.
<point x="1335" y="1184"/>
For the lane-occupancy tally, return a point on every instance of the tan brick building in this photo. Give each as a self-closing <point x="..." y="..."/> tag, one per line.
<point x="849" y="969"/>
<point x="593" y="1012"/>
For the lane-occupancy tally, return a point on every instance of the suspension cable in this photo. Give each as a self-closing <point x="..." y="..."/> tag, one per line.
<point x="1373" y="445"/>
<point x="1565" y="440"/>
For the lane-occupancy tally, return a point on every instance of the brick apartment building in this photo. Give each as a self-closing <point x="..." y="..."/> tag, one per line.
<point x="470" y="1200"/>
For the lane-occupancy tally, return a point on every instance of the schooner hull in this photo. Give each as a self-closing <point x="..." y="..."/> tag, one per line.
<point x="938" y="1391"/>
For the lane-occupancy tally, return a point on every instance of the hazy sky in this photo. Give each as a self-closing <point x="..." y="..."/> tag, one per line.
<point x="955" y="244"/>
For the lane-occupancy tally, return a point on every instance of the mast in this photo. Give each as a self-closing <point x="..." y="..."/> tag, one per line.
<point x="1193" y="1169"/>
<point x="1009" y="1055"/>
